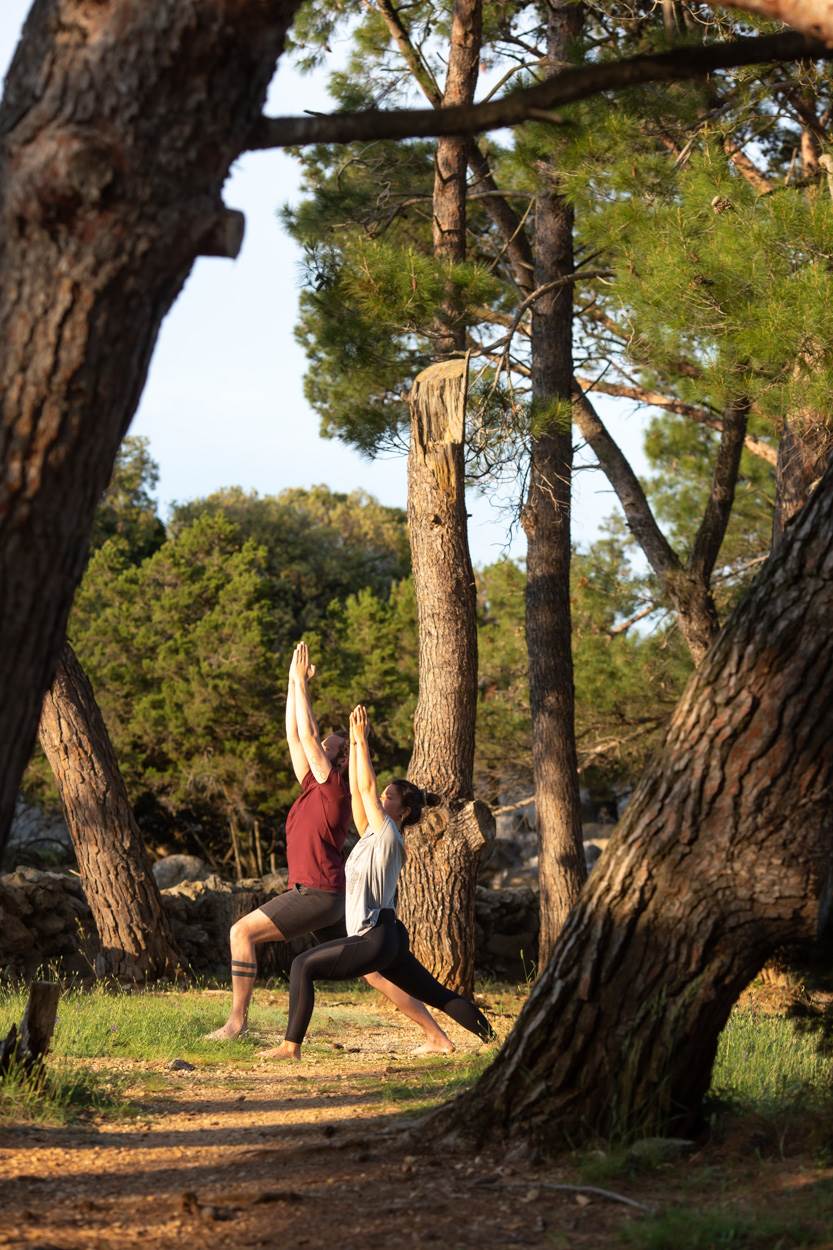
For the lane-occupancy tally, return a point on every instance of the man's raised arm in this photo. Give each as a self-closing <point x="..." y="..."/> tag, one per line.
<point x="319" y="762"/>
<point x="297" y="754"/>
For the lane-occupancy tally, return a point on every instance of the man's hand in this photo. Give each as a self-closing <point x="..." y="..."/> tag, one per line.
<point x="300" y="669"/>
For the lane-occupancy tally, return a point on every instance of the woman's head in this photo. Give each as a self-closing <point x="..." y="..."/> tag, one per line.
<point x="404" y="802"/>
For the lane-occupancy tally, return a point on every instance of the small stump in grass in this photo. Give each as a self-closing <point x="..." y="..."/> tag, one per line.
<point x="27" y="1046"/>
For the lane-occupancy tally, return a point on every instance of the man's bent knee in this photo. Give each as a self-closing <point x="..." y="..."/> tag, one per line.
<point x="256" y="927"/>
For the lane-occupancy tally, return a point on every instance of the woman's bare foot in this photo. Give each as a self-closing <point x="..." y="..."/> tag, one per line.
<point x="228" y="1033"/>
<point x="437" y="1046"/>
<point x="286" y="1050"/>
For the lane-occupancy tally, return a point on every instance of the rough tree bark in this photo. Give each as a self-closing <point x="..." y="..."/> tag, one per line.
<point x="723" y="856"/>
<point x="546" y="523"/>
<point x="444" y="850"/>
<point x="113" y="154"/>
<point x="136" y="940"/>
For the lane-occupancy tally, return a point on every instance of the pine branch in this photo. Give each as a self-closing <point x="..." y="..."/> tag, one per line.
<point x="567" y="87"/>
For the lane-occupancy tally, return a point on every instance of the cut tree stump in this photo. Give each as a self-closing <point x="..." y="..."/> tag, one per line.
<point x="30" y="1044"/>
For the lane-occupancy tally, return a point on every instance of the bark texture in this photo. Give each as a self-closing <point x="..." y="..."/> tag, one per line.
<point x="724" y="855"/>
<point x="118" y="125"/>
<point x="441" y="868"/>
<point x="439" y="880"/>
<point x="546" y="522"/>
<point x="136" y="940"/>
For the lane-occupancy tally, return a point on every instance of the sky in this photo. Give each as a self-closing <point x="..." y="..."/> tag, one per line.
<point x="224" y="402"/>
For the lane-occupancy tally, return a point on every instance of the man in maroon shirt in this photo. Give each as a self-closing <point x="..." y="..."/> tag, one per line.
<point x="316" y="829"/>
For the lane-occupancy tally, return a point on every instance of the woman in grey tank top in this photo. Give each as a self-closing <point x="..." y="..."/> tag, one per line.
<point x="376" y="941"/>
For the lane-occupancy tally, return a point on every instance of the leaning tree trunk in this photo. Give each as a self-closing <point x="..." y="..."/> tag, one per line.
<point x="136" y="939"/>
<point x="723" y="856"/>
<point x="546" y="522"/>
<point x="118" y="125"/>
<point x="440" y="876"/>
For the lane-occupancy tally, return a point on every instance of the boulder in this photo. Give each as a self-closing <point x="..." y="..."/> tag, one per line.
<point x="507" y="931"/>
<point x="172" y="869"/>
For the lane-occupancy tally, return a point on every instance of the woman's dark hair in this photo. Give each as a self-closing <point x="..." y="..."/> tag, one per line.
<point x="414" y="799"/>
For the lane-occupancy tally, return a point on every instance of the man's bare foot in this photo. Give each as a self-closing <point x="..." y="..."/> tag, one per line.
<point x="441" y="1046"/>
<point x="286" y="1050"/>
<point x="228" y="1033"/>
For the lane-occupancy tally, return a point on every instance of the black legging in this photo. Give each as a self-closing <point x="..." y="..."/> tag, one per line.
<point x="383" y="949"/>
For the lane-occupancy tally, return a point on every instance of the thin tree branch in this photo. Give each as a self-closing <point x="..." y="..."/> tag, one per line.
<point x="712" y="528"/>
<point x="655" y="399"/>
<point x="624" y="626"/>
<point x="628" y="488"/>
<point x="410" y="54"/>
<point x="578" y="275"/>
<point x="565" y="88"/>
<point x="747" y="167"/>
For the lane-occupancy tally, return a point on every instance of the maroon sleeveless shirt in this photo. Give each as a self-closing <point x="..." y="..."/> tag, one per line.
<point x="316" y="827"/>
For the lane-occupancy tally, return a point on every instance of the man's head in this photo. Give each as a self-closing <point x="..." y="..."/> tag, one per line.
<point x="336" y="747"/>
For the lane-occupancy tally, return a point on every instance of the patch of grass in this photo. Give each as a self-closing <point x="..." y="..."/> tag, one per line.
<point x="106" y="1022"/>
<point x="767" y="1064"/>
<point x="59" y="1094"/>
<point x="436" y="1081"/>
<point x="690" y="1228"/>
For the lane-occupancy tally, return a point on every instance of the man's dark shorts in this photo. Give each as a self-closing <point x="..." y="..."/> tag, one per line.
<point x="302" y="910"/>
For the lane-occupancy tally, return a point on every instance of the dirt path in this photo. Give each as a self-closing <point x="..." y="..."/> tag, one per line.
<point x="315" y="1156"/>
<point x="278" y="1154"/>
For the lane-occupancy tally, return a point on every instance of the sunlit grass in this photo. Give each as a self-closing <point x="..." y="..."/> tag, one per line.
<point x="104" y="1022"/>
<point x="59" y="1093"/>
<point x="767" y="1063"/>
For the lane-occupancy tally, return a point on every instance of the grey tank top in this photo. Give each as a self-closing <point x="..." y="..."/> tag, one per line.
<point x="372" y="871"/>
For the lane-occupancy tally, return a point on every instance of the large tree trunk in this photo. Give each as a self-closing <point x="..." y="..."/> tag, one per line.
<point x="118" y="125"/>
<point x="440" y="876"/>
<point x="136" y="939"/>
<point x="723" y="856"/>
<point x="546" y="522"/>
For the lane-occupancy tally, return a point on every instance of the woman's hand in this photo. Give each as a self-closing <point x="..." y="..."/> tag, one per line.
<point x="358" y="723"/>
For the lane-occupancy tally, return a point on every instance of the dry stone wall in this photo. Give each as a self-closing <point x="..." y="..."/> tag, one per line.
<point x="45" y="922"/>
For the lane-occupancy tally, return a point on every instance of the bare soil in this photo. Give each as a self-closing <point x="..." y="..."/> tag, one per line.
<point x="318" y="1154"/>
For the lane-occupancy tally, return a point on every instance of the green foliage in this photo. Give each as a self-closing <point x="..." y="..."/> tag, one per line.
<point x="370" y="642"/>
<point x="626" y="685"/>
<point x="127" y="510"/>
<point x="180" y="653"/>
<point x="188" y="650"/>
<point x="318" y="545"/>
